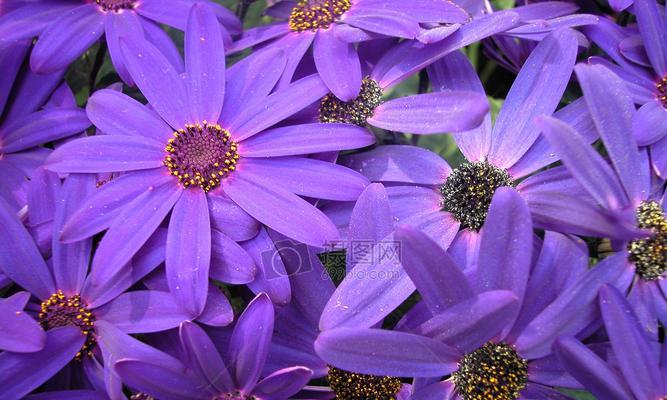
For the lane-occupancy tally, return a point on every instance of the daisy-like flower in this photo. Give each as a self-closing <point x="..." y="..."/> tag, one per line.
<point x="634" y="369"/>
<point x="84" y="313"/>
<point x="640" y="60"/>
<point x="27" y="121"/>
<point x="334" y="26"/>
<point x="206" y="374"/>
<point x="489" y="334"/>
<point x="216" y="167"/>
<point x="622" y="191"/>
<point x="66" y="29"/>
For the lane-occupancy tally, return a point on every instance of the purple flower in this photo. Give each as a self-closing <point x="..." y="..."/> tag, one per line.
<point x="493" y="324"/>
<point x="66" y="29"/>
<point x="640" y="60"/>
<point x="635" y="368"/>
<point x="334" y="26"/>
<point x="85" y="313"/>
<point x="207" y="374"/>
<point x="621" y="192"/>
<point x="216" y="167"/>
<point x="31" y="115"/>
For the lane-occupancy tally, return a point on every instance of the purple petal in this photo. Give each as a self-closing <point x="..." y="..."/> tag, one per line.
<point x="218" y="311"/>
<point x="160" y="382"/>
<point x="333" y="55"/>
<point x="204" y="64"/>
<point x="281" y="210"/>
<point x="250" y="341"/>
<point x="408" y="164"/>
<point x="135" y="225"/>
<point x="283" y="384"/>
<point x="440" y="287"/>
<point x="431" y="113"/>
<point x="43" y="192"/>
<point x="117" y="25"/>
<point x="434" y="11"/>
<point x="589" y="369"/>
<point x="537" y="90"/>
<point x="305" y="139"/>
<point x="259" y="34"/>
<point x="651" y="24"/>
<point x="383" y="21"/>
<point x="115" y="113"/>
<point x="659" y="157"/>
<point x="230" y="263"/>
<point x="276" y="107"/>
<point x="20" y="259"/>
<point x="42" y="127"/>
<point x="439" y="226"/>
<point x="107" y="153"/>
<point x="143" y="311"/>
<point x="20" y="333"/>
<point x="371" y="219"/>
<point x="70" y="395"/>
<point x="613" y="118"/>
<point x="307" y="177"/>
<point x="66" y="38"/>
<point x="272" y="277"/>
<point x="472" y="322"/>
<point x="161" y="39"/>
<point x="230" y="219"/>
<point x="189" y="251"/>
<point x="30" y="19"/>
<point x="21" y="373"/>
<point x="649" y="124"/>
<point x="386" y="353"/>
<point x="158" y="81"/>
<point x="204" y="358"/>
<point x="638" y="366"/>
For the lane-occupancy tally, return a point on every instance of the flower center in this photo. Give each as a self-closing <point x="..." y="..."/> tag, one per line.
<point x="60" y="310"/>
<point x="233" y="396"/>
<point x="351" y="386"/>
<point x="316" y="14"/>
<point x="493" y="371"/>
<point x="468" y="191"/>
<point x="355" y="111"/>
<point x="662" y="91"/>
<point x="201" y="155"/>
<point x="115" y="5"/>
<point x="649" y="255"/>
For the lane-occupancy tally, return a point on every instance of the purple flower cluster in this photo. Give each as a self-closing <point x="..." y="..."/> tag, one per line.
<point x="333" y="199"/>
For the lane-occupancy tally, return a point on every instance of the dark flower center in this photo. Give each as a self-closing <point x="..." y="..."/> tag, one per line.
<point x="316" y="14"/>
<point x="60" y="310"/>
<point x="662" y="91"/>
<point x="649" y="255"/>
<point x="233" y="396"/>
<point x="351" y="386"/>
<point x="201" y="155"/>
<point x="115" y="5"/>
<point x="355" y="111"/>
<point x="468" y="191"/>
<point x="493" y="371"/>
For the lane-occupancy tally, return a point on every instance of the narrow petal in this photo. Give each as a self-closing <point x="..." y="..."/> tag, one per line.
<point x="383" y="21"/>
<point x="160" y="382"/>
<point x="143" y="311"/>
<point x="333" y="55"/>
<point x="473" y="322"/>
<point x="589" y="369"/>
<point x="371" y="219"/>
<point x="42" y="127"/>
<point x="66" y="38"/>
<point x="440" y="226"/>
<point x="250" y="341"/>
<point x="283" y="384"/>
<point x="21" y="373"/>
<point x="440" y="287"/>
<point x="218" y="311"/>
<point x="612" y="114"/>
<point x="430" y="113"/>
<point x="386" y="353"/>
<point x="189" y="251"/>
<point x="434" y="11"/>
<point x="20" y="259"/>
<point x="204" y="358"/>
<point x="30" y="19"/>
<point x="306" y="139"/>
<point x="117" y="25"/>
<point x="106" y="153"/>
<point x="158" y="81"/>
<point x="204" y="64"/>
<point x="20" y="333"/>
<point x="230" y="263"/>
<point x="407" y="164"/>
<point x="277" y="106"/>
<point x="638" y="366"/>
<point x="651" y="24"/>
<point x="115" y="113"/>
<point x="272" y="277"/>
<point x="649" y="124"/>
<point x="281" y="210"/>
<point x="230" y="219"/>
<point x="537" y="90"/>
